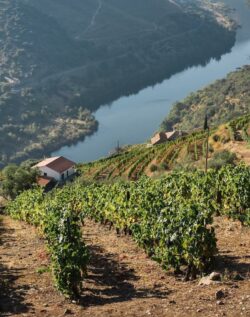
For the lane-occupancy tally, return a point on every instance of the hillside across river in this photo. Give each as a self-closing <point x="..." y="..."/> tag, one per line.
<point x="62" y="61"/>
<point x="135" y="118"/>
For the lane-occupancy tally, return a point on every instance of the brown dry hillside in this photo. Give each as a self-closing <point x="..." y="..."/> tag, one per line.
<point x="122" y="280"/>
<point x="241" y="149"/>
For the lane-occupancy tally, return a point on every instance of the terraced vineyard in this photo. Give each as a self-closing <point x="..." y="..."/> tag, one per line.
<point x="170" y="218"/>
<point x="136" y="161"/>
<point x="188" y="151"/>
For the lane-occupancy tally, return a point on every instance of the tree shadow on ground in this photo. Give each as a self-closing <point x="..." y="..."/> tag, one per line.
<point x="232" y="265"/>
<point x="109" y="282"/>
<point x="12" y="297"/>
<point x="3" y="240"/>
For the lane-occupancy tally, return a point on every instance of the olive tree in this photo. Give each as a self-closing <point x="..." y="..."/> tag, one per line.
<point x="16" y="179"/>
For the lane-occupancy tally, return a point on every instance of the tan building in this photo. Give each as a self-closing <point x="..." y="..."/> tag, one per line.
<point x="159" y="138"/>
<point x="162" y="137"/>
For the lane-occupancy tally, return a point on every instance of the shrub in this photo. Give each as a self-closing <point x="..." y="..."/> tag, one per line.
<point x="153" y="168"/>
<point x="17" y="179"/>
<point x="216" y="138"/>
<point x="58" y="218"/>
<point x="222" y="158"/>
<point x="164" y="166"/>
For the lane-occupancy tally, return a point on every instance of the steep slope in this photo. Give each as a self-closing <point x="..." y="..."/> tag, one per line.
<point x="222" y="101"/>
<point x="187" y="152"/>
<point x="59" y="59"/>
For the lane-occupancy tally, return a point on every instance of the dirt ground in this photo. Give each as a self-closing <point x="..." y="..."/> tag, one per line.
<point x="241" y="149"/>
<point x="121" y="280"/>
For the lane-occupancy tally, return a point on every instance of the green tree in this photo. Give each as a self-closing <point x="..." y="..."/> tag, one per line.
<point x="16" y="179"/>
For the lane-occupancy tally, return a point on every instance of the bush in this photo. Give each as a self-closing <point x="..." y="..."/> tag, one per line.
<point x="17" y="179"/>
<point x="57" y="216"/>
<point x="216" y="138"/>
<point x="221" y="159"/>
<point x="233" y="192"/>
<point x="153" y="168"/>
<point x="164" y="166"/>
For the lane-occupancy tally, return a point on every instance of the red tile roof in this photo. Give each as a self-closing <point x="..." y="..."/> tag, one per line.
<point x="43" y="181"/>
<point x="59" y="164"/>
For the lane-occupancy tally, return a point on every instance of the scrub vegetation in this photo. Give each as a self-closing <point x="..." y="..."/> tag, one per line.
<point x="61" y="60"/>
<point x="224" y="100"/>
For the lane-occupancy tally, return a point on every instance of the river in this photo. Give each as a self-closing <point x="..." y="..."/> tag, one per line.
<point x="134" y="119"/>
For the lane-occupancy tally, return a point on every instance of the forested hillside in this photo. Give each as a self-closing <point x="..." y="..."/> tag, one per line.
<point x="224" y="100"/>
<point x="60" y="60"/>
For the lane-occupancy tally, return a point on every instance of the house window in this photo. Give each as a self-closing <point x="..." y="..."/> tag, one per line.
<point x="62" y="176"/>
<point x="45" y="174"/>
<point x="67" y="173"/>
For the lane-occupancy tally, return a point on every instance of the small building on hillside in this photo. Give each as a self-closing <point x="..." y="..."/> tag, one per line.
<point x="47" y="183"/>
<point x="162" y="137"/>
<point x="56" y="168"/>
<point x="159" y="138"/>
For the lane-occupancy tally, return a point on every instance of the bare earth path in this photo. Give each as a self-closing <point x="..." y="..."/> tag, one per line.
<point x="122" y="281"/>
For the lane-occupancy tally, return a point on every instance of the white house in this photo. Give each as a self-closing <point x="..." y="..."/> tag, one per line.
<point x="58" y="168"/>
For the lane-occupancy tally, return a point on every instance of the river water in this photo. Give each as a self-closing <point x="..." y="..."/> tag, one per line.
<point x="134" y="119"/>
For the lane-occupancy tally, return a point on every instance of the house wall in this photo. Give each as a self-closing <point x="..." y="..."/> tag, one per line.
<point x="174" y="137"/>
<point x="68" y="173"/>
<point x="50" y="172"/>
<point x="71" y="171"/>
<point x="57" y="176"/>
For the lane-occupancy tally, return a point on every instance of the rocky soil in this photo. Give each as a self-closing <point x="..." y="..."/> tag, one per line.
<point x="122" y="280"/>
